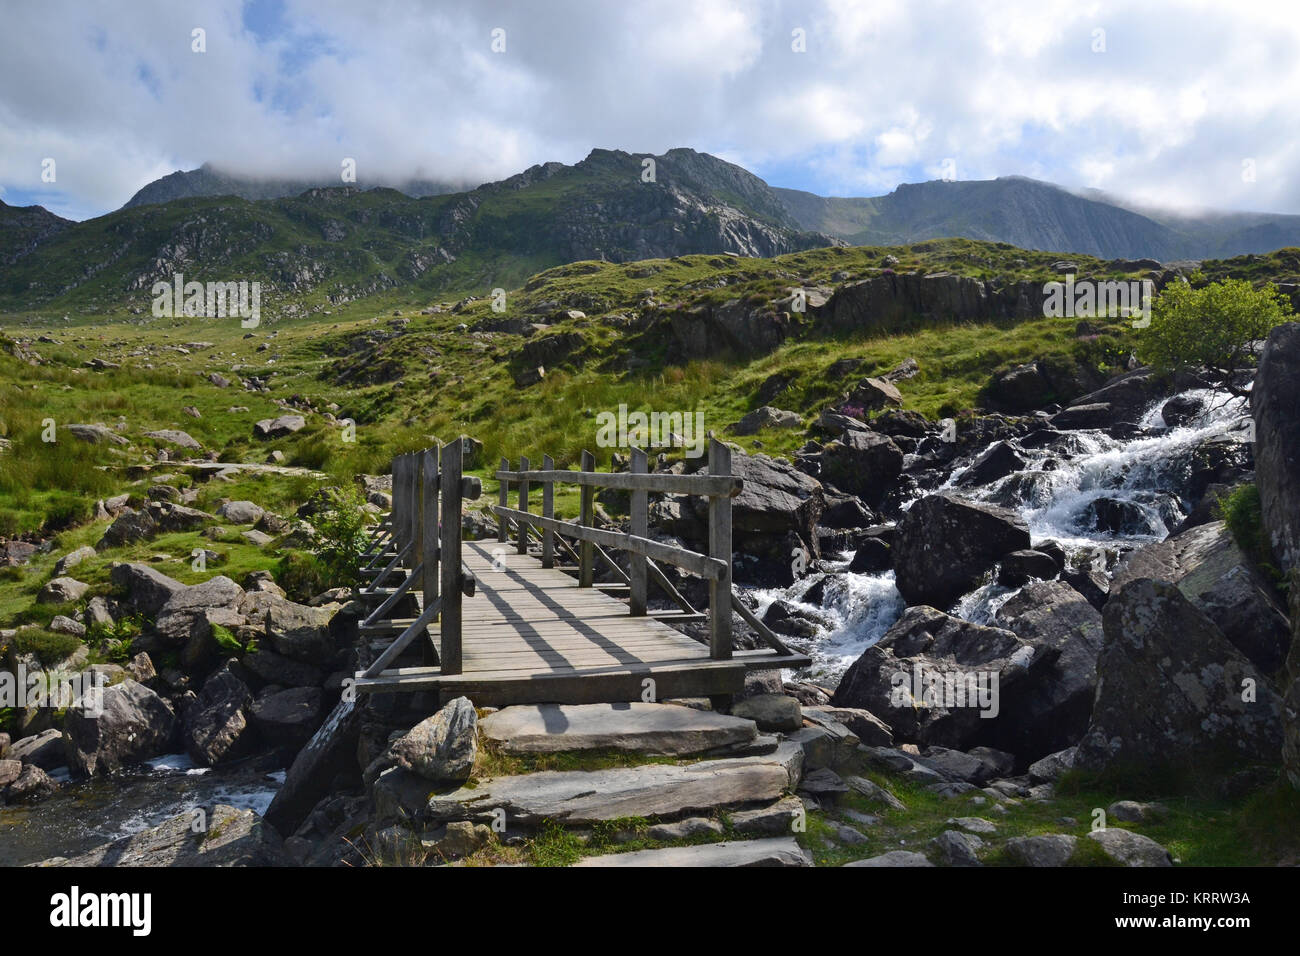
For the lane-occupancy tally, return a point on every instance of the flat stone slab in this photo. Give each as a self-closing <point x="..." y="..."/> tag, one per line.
<point x="782" y="851"/>
<point x="580" y="797"/>
<point x="658" y="729"/>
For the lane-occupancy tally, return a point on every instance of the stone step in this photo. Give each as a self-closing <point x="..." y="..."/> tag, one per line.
<point x="781" y="851"/>
<point x="578" y="798"/>
<point x="658" y="729"/>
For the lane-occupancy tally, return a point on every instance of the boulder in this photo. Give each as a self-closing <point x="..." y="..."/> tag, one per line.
<point x="873" y="556"/>
<point x="44" y="750"/>
<point x="131" y="725"/>
<point x="664" y="729"/>
<point x="287" y="718"/>
<point x="185" y="616"/>
<point x="1020" y="567"/>
<point x="241" y="512"/>
<point x="783" y="851"/>
<point x="1171" y="688"/>
<point x="863" y="463"/>
<point x="945" y="544"/>
<point x="1214" y="574"/>
<point x="771" y="712"/>
<point x="31" y="786"/>
<point x="296" y="631"/>
<point x="894" y="858"/>
<point x="127" y="528"/>
<point x="1274" y="399"/>
<point x="72" y="559"/>
<point x="62" y="591"/>
<point x="215" y="724"/>
<point x="279" y="427"/>
<point x="441" y="748"/>
<point x="174" y="436"/>
<point x="232" y="838"/>
<point x="147" y="589"/>
<point x="331" y="751"/>
<point x="932" y="676"/>
<point x="97" y="434"/>
<point x="1053" y="708"/>
<point x="997" y="461"/>
<point x="1048" y="849"/>
<point x="766" y="417"/>
<point x="1130" y="849"/>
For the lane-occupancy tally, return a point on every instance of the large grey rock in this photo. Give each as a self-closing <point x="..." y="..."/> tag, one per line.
<point x="61" y="591"/>
<point x="147" y="589"/>
<point x="766" y="417"/>
<point x="924" y="675"/>
<point x="127" y="529"/>
<point x="184" y="615"/>
<point x="1048" y="849"/>
<point x="652" y="790"/>
<point x="131" y="725"/>
<point x="44" y="750"/>
<point x="773" y="852"/>
<point x="32" y="785"/>
<point x="1213" y="573"/>
<point x="894" y="858"/>
<point x="1171" y="688"/>
<point x="72" y="559"/>
<point x="945" y="544"/>
<point x="287" y="718"/>
<point x="1053" y="709"/>
<point x="866" y="726"/>
<point x="331" y="751"/>
<point x="241" y="512"/>
<point x="772" y="820"/>
<point x="279" y="427"/>
<point x="441" y="748"/>
<point x="297" y="631"/>
<point x="1130" y="849"/>
<point x="174" y="436"/>
<point x="232" y="837"/>
<point x="663" y="729"/>
<point x="215" y="724"/>
<point x="956" y="848"/>
<point x="771" y="712"/>
<point x="1274" y="400"/>
<point x="97" y="434"/>
<point x="863" y="463"/>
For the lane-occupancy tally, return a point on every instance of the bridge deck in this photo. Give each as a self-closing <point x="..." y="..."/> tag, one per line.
<point x="531" y="635"/>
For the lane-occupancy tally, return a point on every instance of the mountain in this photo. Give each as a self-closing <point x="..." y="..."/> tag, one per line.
<point x="332" y="245"/>
<point x="207" y="181"/>
<point x="24" y="228"/>
<point x="1037" y="215"/>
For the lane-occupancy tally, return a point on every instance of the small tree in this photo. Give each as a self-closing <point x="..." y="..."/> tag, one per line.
<point x="1212" y="328"/>
<point x="340" y="536"/>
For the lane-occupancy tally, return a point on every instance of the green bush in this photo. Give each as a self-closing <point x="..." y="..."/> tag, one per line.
<point x="341" y="536"/>
<point x="301" y="575"/>
<point x="1244" y="516"/>
<point x="50" y="647"/>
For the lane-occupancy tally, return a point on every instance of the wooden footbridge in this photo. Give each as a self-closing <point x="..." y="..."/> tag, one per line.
<point x="522" y="619"/>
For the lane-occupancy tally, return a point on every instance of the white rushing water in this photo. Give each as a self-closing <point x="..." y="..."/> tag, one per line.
<point x="1057" y="493"/>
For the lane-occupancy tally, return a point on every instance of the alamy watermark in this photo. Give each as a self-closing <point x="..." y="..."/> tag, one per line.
<point x="57" y="689"/>
<point x="949" y="689"/>
<point x="639" y="429"/>
<point x="211" y="300"/>
<point x="1089" y="298"/>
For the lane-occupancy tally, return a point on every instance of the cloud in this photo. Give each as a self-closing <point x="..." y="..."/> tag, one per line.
<point x="1176" y="98"/>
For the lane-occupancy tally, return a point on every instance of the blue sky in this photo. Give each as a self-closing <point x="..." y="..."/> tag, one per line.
<point x="1163" y="102"/>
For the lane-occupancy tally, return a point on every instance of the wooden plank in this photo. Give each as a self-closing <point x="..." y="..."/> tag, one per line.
<point x="586" y="518"/>
<point x="639" y="527"/>
<point x="503" y="499"/>
<point x="429" y="532"/>
<point x="548" y="511"/>
<point x="720" y="550"/>
<point x="704" y="565"/>
<point x="390" y="602"/>
<point x="449" y="651"/>
<point x="710" y="485"/>
<point x="522" y="544"/>
<point x="403" y="640"/>
<point x="761" y="629"/>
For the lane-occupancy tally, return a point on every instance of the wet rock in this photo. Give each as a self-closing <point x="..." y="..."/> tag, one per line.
<point x="945" y="544"/>
<point x="998" y="461"/>
<point x="31" y="786"/>
<point x="1171" y="688"/>
<point x="1020" y="567"/>
<point x="286" y="718"/>
<point x="215" y="723"/>
<point x="235" y="838"/>
<point x="132" y="725"/>
<point x="863" y="463"/>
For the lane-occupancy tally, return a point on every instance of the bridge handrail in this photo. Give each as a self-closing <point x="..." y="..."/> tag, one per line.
<point x="719" y="486"/>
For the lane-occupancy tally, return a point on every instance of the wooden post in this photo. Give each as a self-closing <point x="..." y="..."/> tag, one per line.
<point x="548" y="511"/>
<point x="417" y="511"/>
<point x="720" y="548"/>
<point x="522" y="546"/>
<point x="640" y="526"/>
<point x="398" y="515"/>
<point x="587" y="518"/>
<point x="429" y="533"/>
<point x="503" y="499"/>
<point x="449" y="627"/>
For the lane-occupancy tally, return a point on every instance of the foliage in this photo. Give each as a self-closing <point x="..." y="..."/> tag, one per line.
<point x="1211" y="327"/>
<point x="340" y="535"/>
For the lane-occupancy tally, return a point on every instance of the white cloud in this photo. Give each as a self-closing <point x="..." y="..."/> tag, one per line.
<point x="885" y="91"/>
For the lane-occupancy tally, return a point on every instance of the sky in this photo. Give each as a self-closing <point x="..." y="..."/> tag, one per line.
<point x="1180" y="104"/>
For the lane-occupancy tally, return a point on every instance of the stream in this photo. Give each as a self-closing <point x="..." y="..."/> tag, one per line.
<point x="1057" y="493"/>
